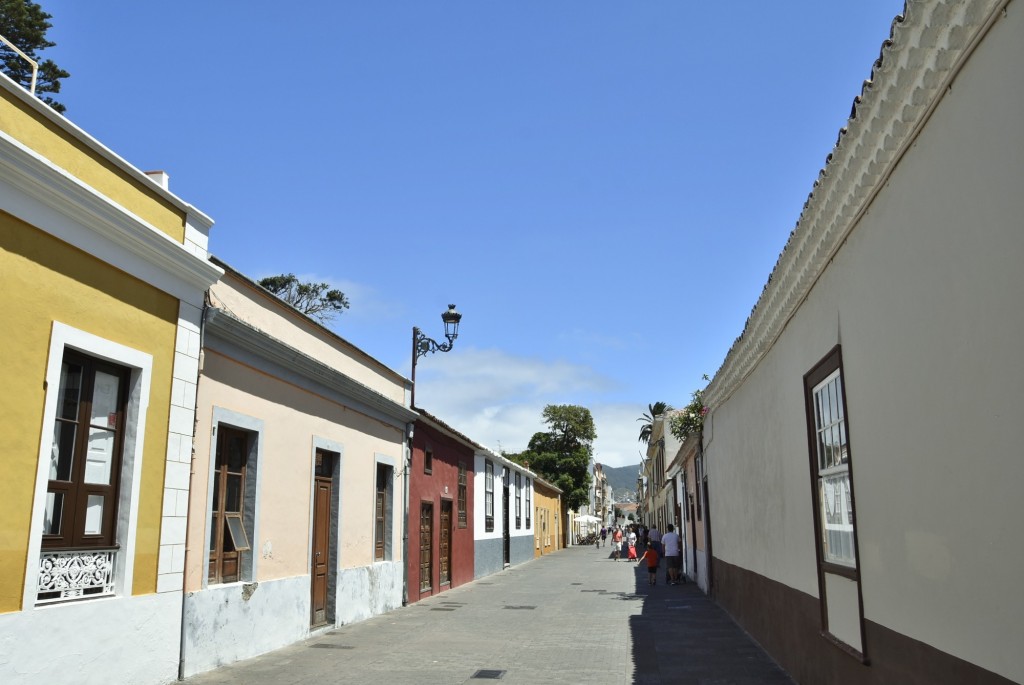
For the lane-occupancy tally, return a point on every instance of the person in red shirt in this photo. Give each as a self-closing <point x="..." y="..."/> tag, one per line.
<point x="651" y="555"/>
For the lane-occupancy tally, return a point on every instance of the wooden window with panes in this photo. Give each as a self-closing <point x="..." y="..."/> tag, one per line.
<point x="428" y="461"/>
<point x="381" y="509"/>
<point x="228" y="538"/>
<point x="830" y="466"/>
<point x="529" y="506"/>
<point x="85" y="460"/>
<point x="488" y="496"/>
<point x="462" y="496"/>
<point x="835" y="521"/>
<point x="519" y="500"/>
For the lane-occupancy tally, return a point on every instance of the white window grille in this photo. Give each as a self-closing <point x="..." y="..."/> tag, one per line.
<point x="73" y="575"/>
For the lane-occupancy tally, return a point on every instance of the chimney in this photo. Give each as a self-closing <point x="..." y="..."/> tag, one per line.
<point x="160" y="178"/>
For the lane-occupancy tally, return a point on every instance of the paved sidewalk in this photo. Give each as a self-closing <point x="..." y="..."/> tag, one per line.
<point x="575" y="616"/>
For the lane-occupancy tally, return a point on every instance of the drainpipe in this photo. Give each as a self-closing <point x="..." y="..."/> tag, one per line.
<point x="409" y="430"/>
<point x="191" y="475"/>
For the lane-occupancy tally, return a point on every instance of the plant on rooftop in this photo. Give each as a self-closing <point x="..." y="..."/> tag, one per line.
<point x="690" y="419"/>
<point x="653" y="411"/>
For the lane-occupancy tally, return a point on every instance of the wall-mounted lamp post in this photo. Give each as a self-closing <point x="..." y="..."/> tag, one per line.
<point x="421" y="344"/>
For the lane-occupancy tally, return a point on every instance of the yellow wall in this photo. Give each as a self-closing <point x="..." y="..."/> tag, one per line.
<point x="546" y="500"/>
<point x="48" y="140"/>
<point x="41" y="280"/>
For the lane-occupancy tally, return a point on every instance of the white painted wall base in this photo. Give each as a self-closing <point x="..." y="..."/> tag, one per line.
<point x="228" y="623"/>
<point x="115" y="640"/>
<point x="368" y="591"/>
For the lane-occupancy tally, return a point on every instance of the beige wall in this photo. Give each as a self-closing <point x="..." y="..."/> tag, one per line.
<point x="292" y="416"/>
<point x="278" y="320"/>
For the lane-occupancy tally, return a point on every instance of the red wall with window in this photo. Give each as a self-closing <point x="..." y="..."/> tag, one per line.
<point x="434" y="480"/>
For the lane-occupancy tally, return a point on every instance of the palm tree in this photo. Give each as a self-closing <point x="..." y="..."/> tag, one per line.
<point x="653" y="410"/>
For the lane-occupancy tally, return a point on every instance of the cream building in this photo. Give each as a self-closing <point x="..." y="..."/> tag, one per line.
<point x="298" y="481"/>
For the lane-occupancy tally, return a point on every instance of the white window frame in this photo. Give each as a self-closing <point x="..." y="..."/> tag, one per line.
<point x="140" y="365"/>
<point x="488" y="496"/>
<point x="829" y="472"/>
<point x="529" y="504"/>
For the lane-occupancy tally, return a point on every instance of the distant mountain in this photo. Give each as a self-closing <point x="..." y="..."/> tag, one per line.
<point x="622" y="479"/>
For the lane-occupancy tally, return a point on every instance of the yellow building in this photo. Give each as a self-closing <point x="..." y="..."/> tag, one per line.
<point x="103" y="273"/>
<point x="547" y="517"/>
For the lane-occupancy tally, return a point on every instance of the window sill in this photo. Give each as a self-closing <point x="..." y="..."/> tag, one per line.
<point x="845" y="648"/>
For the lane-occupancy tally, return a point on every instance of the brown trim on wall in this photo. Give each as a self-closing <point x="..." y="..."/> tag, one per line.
<point x="787" y="624"/>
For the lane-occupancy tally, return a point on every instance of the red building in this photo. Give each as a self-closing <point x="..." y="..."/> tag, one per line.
<point x="440" y="552"/>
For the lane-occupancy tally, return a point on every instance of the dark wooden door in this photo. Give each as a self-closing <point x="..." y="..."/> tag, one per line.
<point x="707" y="539"/>
<point x="506" y="536"/>
<point x="322" y="496"/>
<point x="426" y="546"/>
<point x="444" y="554"/>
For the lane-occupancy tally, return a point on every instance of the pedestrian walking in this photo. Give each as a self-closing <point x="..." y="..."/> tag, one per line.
<point x="654" y="539"/>
<point x="651" y="555"/>
<point x="673" y="554"/>
<point x="604" y="535"/>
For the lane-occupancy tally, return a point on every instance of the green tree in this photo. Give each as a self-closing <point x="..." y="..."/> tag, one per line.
<point x="561" y="455"/>
<point x="317" y="300"/>
<point x="653" y="410"/>
<point x="25" y="24"/>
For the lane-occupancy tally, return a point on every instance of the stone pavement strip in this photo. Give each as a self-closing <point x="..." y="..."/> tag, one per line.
<point x="575" y="616"/>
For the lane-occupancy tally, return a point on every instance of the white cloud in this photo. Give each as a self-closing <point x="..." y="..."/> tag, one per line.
<point x="617" y="431"/>
<point x="496" y="399"/>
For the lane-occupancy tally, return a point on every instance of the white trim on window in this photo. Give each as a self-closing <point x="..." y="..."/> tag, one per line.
<point x="140" y="363"/>
<point x="251" y="503"/>
<point x="389" y="510"/>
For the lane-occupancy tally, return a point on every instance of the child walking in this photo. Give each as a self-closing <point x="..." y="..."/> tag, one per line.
<point x="651" y="555"/>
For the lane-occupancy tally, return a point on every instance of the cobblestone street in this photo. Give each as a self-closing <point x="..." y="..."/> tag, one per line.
<point x="575" y="616"/>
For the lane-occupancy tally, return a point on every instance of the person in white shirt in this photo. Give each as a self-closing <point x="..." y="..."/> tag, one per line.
<point x="673" y="556"/>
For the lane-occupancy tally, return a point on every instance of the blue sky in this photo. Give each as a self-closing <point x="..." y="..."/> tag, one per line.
<point x="602" y="187"/>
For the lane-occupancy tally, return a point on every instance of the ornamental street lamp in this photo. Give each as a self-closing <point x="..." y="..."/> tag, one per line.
<point x="421" y="344"/>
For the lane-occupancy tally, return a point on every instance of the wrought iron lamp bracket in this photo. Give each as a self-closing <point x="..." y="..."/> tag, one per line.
<point x="424" y="345"/>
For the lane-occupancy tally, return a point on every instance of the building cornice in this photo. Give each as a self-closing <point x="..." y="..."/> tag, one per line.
<point x="42" y="194"/>
<point x="927" y="47"/>
<point x="222" y="324"/>
<point x="65" y="124"/>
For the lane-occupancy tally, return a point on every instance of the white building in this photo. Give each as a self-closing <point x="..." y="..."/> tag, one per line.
<point x="862" y="450"/>
<point x="503" y="506"/>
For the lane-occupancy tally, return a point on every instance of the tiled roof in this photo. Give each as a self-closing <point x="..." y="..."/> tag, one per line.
<point x="927" y="46"/>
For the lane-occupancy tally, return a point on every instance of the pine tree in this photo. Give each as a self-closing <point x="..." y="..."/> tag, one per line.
<point x="25" y="24"/>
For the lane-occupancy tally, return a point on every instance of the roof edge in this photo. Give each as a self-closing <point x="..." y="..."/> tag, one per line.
<point x="907" y="82"/>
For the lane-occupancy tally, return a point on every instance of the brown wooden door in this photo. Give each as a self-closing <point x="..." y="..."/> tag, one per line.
<point x="321" y="549"/>
<point x="426" y="546"/>
<point x="445" y="551"/>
